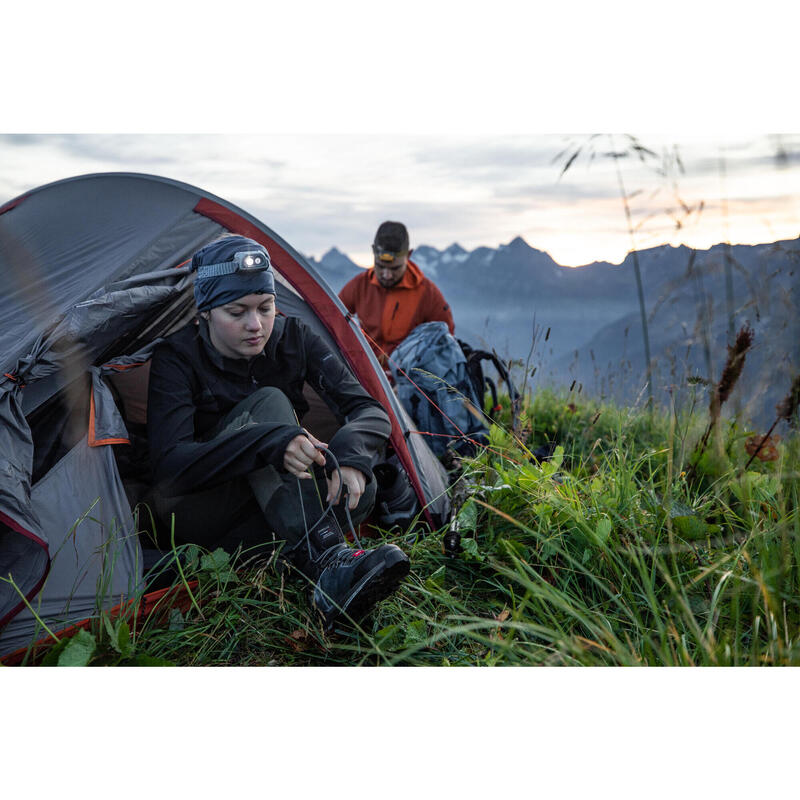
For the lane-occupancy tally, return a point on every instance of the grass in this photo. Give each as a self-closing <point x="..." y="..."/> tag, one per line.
<point x="606" y="554"/>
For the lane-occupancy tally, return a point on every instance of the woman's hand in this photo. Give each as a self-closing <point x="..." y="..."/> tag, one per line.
<point x="353" y="480"/>
<point x="301" y="452"/>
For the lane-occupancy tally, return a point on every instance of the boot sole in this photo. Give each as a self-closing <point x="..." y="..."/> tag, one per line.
<point x="371" y="590"/>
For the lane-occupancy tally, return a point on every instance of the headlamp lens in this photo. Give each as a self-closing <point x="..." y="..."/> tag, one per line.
<point x="252" y="260"/>
<point x="245" y="261"/>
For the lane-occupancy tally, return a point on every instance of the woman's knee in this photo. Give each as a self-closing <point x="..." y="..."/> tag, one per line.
<point x="268" y="404"/>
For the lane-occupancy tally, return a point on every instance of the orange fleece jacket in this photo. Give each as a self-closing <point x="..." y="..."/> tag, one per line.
<point x="387" y="316"/>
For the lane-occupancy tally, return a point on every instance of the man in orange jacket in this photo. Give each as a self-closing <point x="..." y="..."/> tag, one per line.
<point x="393" y="297"/>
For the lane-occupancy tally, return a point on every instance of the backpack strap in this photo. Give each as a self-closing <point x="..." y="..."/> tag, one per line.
<point x="482" y="355"/>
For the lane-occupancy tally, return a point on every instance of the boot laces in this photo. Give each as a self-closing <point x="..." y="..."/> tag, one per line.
<point x="339" y="556"/>
<point x="329" y="508"/>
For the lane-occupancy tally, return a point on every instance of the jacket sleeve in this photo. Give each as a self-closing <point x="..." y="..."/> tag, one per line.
<point x="365" y="425"/>
<point x="347" y="295"/>
<point x="436" y="308"/>
<point x="183" y="464"/>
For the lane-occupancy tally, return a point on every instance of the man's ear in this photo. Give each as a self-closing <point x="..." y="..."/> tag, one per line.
<point x="205" y="315"/>
<point x="410" y="251"/>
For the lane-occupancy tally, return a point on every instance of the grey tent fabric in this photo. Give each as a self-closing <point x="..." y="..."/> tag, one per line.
<point x="23" y="556"/>
<point x="59" y="246"/>
<point x="96" y="556"/>
<point x="92" y="272"/>
<point x="16" y="459"/>
<point x="87" y="329"/>
<point x="432" y="477"/>
<point x="106" y="423"/>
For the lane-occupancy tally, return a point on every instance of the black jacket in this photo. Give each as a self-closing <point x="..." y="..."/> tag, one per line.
<point x="193" y="386"/>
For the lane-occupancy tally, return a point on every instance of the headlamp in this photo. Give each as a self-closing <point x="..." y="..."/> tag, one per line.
<point x="243" y="261"/>
<point x="387" y="256"/>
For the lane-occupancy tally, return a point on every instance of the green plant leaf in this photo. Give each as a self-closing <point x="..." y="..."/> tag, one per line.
<point x="468" y="517"/>
<point x="389" y="636"/>
<point x="144" y="660"/>
<point x="123" y="639"/>
<point x="548" y="551"/>
<point x="416" y="633"/>
<point x="79" y="650"/>
<point x="691" y="527"/>
<point x="191" y="555"/>
<point x="514" y="548"/>
<point x="435" y="582"/>
<point x="603" y="530"/>
<point x="713" y="464"/>
<point x="218" y="564"/>
<point x="469" y="549"/>
<point x="498" y="438"/>
<point x="112" y="634"/>
<point x="216" y="561"/>
<point x="54" y="653"/>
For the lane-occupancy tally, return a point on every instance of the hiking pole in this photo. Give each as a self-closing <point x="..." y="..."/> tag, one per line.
<point x="451" y="542"/>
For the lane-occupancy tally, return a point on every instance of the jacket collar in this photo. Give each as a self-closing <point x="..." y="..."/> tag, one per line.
<point x="412" y="278"/>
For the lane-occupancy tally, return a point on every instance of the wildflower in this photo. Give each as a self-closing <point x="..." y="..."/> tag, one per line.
<point x="787" y="409"/>
<point x="763" y="447"/>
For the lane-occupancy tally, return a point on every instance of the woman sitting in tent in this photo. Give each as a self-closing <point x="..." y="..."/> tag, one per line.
<point x="229" y="458"/>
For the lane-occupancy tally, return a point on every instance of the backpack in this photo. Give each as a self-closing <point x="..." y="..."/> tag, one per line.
<point x="433" y="384"/>
<point x="481" y="382"/>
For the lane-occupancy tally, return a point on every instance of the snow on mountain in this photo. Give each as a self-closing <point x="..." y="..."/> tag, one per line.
<point x="455" y="253"/>
<point x="427" y="259"/>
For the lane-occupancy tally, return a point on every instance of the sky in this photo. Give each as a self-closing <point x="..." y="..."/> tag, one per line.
<point x="321" y="191"/>
<point x="447" y="116"/>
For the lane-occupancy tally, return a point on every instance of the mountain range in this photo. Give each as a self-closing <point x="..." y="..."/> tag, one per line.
<point x="583" y="324"/>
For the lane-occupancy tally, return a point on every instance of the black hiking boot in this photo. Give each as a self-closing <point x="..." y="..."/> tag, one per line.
<point x="352" y="582"/>
<point x="347" y="582"/>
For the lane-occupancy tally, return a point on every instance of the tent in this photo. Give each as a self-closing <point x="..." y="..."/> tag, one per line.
<point x="94" y="271"/>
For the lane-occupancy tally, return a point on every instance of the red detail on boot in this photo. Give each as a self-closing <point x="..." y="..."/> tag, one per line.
<point x="365" y="531"/>
<point x="359" y="553"/>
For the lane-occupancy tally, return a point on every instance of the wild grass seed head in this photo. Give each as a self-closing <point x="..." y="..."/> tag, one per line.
<point x="734" y="363"/>
<point x="787" y="408"/>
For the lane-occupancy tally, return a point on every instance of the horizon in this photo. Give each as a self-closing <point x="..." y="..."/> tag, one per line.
<point x="564" y="266"/>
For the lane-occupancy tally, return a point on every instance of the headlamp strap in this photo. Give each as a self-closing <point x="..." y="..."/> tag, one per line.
<point x="238" y="264"/>
<point x="217" y="270"/>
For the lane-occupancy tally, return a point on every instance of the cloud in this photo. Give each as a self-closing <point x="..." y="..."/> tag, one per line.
<point x="21" y="139"/>
<point x="321" y="191"/>
<point x="564" y="192"/>
<point x="758" y="155"/>
<point x="465" y="161"/>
